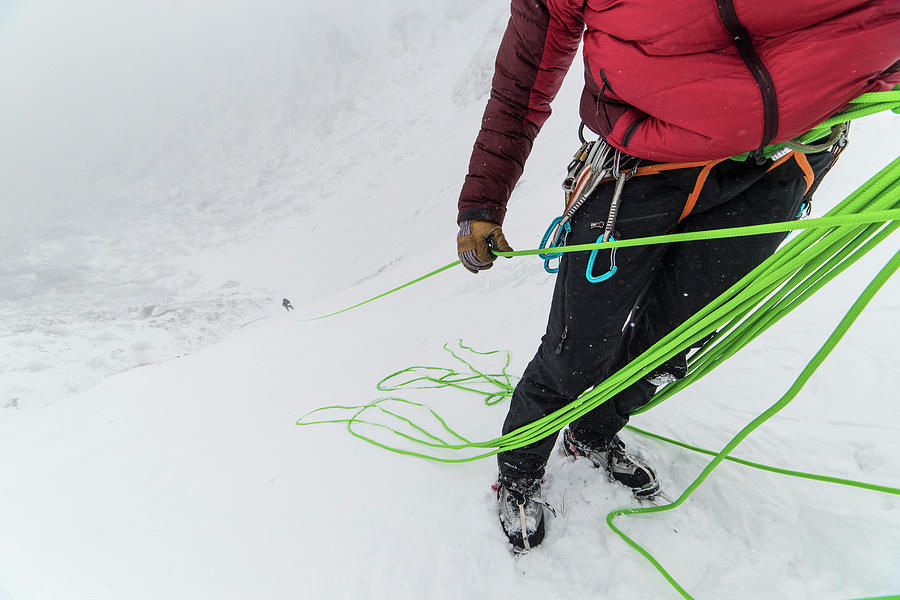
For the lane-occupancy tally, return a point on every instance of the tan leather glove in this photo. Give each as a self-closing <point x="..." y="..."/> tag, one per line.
<point x="475" y="241"/>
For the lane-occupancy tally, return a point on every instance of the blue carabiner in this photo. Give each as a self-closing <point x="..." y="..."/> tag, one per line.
<point x="612" y="263"/>
<point x="546" y="239"/>
<point x="562" y="234"/>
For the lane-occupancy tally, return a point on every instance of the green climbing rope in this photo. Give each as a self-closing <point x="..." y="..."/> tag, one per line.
<point x="770" y="292"/>
<point x="872" y="217"/>
<point x="825" y="248"/>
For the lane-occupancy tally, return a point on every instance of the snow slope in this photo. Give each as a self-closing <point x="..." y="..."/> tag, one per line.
<point x="170" y="172"/>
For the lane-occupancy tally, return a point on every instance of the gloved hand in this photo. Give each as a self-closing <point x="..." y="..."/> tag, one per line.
<point x="474" y="242"/>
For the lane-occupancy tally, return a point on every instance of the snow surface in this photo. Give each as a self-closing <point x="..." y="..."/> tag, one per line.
<point x="170" y="170"/>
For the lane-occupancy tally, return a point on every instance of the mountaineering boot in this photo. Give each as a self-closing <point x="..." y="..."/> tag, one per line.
<point x="623" y="467"/>
<point x="521" y="512"/>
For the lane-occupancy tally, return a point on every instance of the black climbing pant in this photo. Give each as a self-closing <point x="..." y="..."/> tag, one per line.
<point x="596" y="328"/>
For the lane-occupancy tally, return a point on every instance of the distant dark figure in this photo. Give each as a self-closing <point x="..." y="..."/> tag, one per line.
<point x="287" y="305"/>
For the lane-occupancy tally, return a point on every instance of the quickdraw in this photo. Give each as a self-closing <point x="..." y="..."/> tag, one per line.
<point x="588" y="168"/>
<point x="594" y="163"/>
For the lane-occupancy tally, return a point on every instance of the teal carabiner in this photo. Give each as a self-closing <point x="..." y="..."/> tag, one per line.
<point x="559" y="240"/>
<point x="589" y="273"/>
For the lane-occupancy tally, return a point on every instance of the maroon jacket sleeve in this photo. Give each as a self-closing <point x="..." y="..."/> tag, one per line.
<point x="540" y="42"/>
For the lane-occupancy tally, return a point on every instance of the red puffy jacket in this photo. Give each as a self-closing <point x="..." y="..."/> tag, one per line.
<point x="678" y="81"/>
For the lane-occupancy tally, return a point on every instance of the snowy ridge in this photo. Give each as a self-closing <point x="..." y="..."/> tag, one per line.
<point x="155" y="236"/>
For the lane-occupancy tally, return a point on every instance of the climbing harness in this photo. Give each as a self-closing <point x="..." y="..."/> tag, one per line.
<point x="596" y="163"/>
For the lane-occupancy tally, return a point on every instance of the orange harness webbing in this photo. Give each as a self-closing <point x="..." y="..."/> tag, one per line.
<point x="707" y="166"/>
<point x="691" y="201"/>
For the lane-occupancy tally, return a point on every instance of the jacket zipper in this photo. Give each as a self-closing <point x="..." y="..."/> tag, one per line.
<point x="761" y="75"/>
<point x="631" y="129"/>
<point x="606" y="83"/>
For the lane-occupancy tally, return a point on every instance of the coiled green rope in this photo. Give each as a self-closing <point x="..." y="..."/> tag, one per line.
<point x="807" y="372"/>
